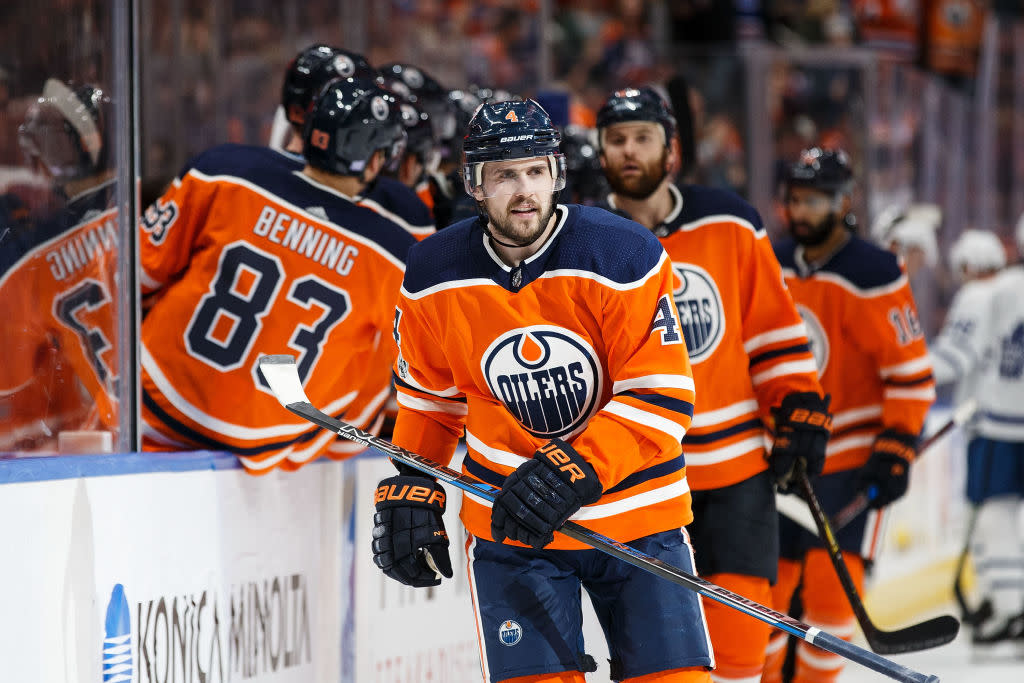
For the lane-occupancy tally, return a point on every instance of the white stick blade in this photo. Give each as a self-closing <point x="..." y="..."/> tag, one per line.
<point x="283" y="378"/>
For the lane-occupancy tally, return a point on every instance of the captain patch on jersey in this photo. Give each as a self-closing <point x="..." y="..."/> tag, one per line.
<point x="547" y="377"/>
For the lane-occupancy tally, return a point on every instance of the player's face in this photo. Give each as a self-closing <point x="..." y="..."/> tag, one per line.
<point x="518" y="197"/>
<point x="634" y="157"/>
<point x="811" y="215"/>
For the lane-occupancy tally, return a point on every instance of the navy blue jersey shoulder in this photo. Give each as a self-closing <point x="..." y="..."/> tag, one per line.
<point x="280" y="175"/>
<point x="863" y="264"/>
<point x="700" y="201"/>
<point x="400" y="200"/>
<point x="591" y="240"/>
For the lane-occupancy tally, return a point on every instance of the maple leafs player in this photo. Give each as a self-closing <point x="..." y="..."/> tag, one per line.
<point x="547" y="334"/>
<point x="750" y="359"/>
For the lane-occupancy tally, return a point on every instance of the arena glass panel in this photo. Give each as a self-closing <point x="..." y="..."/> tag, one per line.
<point x="67" y="380"/>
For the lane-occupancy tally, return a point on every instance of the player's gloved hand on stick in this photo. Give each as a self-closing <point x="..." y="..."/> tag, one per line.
<point x="885" y="475"/>
<point x="542" y="493"/>
<point x="409" y="538"/>
<point x="802" y="428"/>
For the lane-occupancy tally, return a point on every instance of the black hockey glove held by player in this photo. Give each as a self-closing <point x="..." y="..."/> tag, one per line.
<point x="542" y="493"/>
<point x="802" y="428"/>
<point x="408" y="527"/>
<point x="885" y="475"/>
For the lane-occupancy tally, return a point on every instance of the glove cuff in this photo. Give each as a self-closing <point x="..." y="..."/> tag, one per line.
<point x="896" y="443"/>
<point x="572" y="468"/>
<point x="405" y="491"/>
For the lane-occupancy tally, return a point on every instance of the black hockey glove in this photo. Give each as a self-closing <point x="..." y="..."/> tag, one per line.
<point x="802" y="427"/>
<point x="885" y="475"/>
<point x="542" y="493"/>
<point x="409" y="538"/>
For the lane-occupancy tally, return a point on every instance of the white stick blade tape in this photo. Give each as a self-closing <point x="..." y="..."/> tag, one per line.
<point x="283" y="378"/>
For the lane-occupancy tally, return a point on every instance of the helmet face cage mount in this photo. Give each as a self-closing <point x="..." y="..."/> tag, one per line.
<point x="512" y="131"/>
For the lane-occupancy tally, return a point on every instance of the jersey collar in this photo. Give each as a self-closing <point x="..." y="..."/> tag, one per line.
<point x="670" y="224"/>
<point x="514" y="279"/>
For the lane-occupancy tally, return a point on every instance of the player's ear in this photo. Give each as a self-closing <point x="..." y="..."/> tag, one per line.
<point x="674" y="158"/>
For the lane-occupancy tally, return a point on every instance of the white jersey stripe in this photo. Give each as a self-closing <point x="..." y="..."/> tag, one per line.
<point x="847" y="417"/>
<point x="910" y="367"/>
<point x="774" y="336"/>
<point x="791" y="368"/>
<point x="417" y="403"/>
<point x="735" y="450"/>
<point x="654" y="382"/>
<point x="645" y="418"/>
<point x="922" y="394"/>
<point x="730" y="412"/>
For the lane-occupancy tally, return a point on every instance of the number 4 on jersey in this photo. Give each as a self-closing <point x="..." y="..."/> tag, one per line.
<point x="666" y="322"/>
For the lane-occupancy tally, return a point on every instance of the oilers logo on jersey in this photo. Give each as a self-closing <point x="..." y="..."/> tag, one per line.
<point x="816" y="337"/>
<point x="510" y="633"/>
<point x="547" y="377"/>
<point x="700" y="309"/>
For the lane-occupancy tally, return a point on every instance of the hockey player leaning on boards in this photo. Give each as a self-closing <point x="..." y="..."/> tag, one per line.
<point x="242" y="255"/>
<point x="58" y="278"/>
<point x="548" y="333"/>
<point x="872" y="360"/>
<point x="306" y="75"/>
<point x="988" y="334"/>
<point x="750" y="360"/>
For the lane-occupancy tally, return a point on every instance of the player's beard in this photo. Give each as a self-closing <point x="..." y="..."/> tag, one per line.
<point x="508" y="227"/>
<point x="812" y="234"/>
<point x="640" y="185"/>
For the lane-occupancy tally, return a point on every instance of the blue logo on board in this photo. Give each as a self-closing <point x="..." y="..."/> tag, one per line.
<point x="117" y="646"/>
<point x="548" y="377"/>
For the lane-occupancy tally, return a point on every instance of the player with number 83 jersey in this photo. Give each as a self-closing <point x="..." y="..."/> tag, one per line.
<point x="241" y="257"/>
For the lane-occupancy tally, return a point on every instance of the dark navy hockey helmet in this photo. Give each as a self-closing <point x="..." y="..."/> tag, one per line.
<point x="637" y="104"/>
<point x="311" y="69"/>
<point x="503" y="131"/>
<point x="349" y="121"/>
<point x="67" y="131"/>
<point x="417" y="122"/>
<point x="825" y="170"/>
<point x="427" y="94"/>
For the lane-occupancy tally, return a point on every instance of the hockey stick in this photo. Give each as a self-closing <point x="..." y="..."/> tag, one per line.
<point x="961" y="416"/>
<point x="931" y="633"/>
<point x="281" y="374"/>
<point x="970" y="616"/>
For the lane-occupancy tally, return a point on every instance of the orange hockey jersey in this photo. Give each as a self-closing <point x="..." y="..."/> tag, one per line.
<point x="58" y="301"/>
<point x="581" y="341"/>
<point x="245" y="258"/>
<point x="746" y="341"/>
<point x="867" y="343"/>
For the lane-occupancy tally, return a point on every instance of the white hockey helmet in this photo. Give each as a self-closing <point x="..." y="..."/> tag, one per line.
<point x="915" y="228"/>
<point x="977" y="252"/>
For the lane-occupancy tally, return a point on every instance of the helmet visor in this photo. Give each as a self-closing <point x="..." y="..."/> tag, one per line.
<point x="534" y="175"/>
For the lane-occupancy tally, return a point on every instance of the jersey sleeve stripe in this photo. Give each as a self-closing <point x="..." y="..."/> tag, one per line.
<point x="371" y="409"/>
<point x="674" y="490"/>
<point x="797" y="331"/>
<point x="683" y="382"/>
<point x="720" y="218"/>
<point x="719" y="434"/>
<point x="729" y="452"/>
<point x="667" y="402"/>
<point x="873" y="425"/>
<point x="319" y="445"/>
<point x="926" y="394"/>
<point x="646" y="418"/>
<point x="226" y="428"/>
<point x="423" y="405"/>
<point x="910" y="382"/>
<point x="847" y="443"/>
<point x="147" y="282"/>
<point x="843" y="418"/>
<point x="791" y="368"/>
<point x="710" y="418"/>
<point x="910" y="367"/>
<point x="498" y="457"/>
<point x="795" y="349"/>
<point x="410" y="383"/>
<point x="653" y="472"/>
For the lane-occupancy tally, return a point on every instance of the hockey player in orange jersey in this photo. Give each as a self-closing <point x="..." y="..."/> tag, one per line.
<point x="242" y="257"/>
<point x="871" y="357"/>
<point x="547" y="334"/>
<point x="750" y="357"/>
<point x="58" y="280"/>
